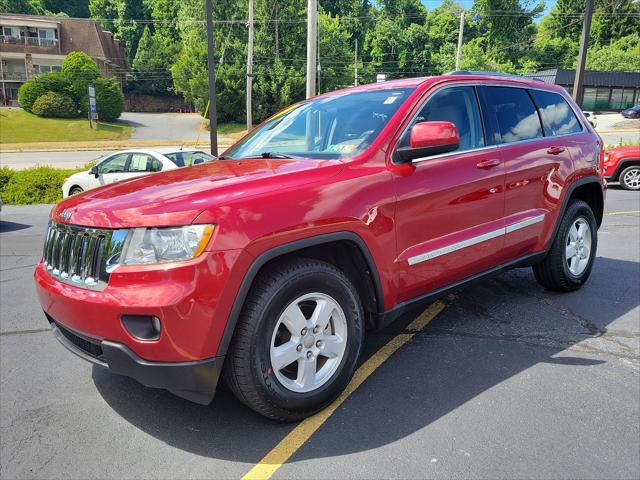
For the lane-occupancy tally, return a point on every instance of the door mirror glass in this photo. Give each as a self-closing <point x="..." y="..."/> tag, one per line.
<point x="94" y="171"/>
<point x="430" y="138"/>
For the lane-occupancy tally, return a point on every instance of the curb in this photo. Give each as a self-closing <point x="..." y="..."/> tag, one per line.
<point x="106" y="147"/>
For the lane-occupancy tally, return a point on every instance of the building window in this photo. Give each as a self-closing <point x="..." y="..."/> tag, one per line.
<point x="589" y="99"/>
<point x="627" y="99"/>
<point x="616" y="99"/>
<point x="11" y="35"/>
<point x="47" y="38"/>
<point x="602" y="98"/>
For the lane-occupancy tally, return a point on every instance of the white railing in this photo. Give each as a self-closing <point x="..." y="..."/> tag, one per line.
<point x="42" y="42"/>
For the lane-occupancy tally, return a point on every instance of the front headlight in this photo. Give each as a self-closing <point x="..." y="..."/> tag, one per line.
<point x="160" y="245"/>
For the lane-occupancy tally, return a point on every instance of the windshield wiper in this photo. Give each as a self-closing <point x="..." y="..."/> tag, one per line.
<point x="274" y="155"/>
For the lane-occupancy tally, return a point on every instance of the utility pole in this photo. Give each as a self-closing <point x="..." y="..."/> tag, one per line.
<point x="250" y="68"/>
<point x="319" y="67"/>
<point x="460" y="33"/>
<point x="312" y="33"/>
<point x="277" y="32"/>
<point x="213" y="120"/>
<point x="578" y="83"/>
<point x="355" y="66"/>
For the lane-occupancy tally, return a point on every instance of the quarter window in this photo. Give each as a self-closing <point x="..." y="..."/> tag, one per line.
<point x="515" y="113"/>
<point x="459" y="106"/>
<point x="557" y="116"/>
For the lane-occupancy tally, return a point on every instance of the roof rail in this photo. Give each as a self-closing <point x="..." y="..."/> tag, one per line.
<point x="492" y="74"/>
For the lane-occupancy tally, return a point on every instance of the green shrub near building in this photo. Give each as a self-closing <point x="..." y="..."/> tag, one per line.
<point x="78" y="72"/>
<point x="56" y="105"/>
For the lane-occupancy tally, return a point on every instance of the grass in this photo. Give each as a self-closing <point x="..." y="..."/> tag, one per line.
<point x="18" y="126"/>
<point x="227" y="128"/>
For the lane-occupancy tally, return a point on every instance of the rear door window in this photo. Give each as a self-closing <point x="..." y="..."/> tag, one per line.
<point x="557" y="116"/>
<point x="140" y="162"/>
<point x="516" y="116"/>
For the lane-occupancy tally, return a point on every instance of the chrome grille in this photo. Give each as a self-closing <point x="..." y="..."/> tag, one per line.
<point x="82" y="256"/>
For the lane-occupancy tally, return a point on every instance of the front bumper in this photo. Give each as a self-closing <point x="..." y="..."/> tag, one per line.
<point x="194" y="381"/>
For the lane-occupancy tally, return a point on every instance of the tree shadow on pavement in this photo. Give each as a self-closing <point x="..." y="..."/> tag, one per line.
<point x="492" y="331"/>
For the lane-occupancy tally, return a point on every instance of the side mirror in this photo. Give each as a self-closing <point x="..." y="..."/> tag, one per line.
<point x="94" y="171"/>
<point x="430" y="138"/>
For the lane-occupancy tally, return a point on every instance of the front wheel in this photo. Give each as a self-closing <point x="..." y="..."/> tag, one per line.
<point x="630" y="178"/>
<point x="297" y="341"/>
<point x="75" y="190"/>
<point x="570" y="259"/>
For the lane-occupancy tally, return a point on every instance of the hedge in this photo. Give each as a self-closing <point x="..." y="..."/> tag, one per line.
<point x="55" y="105"/>
<point x="33" y="185"/>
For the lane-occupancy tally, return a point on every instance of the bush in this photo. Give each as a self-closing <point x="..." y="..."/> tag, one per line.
<point x="33" y="185"/>
<point x="47" y="82"/>
<point x="109" y="98"/>
<point x="81" y="71"/>
<point x="5" y="175"/>
<point x="56" y="105"/>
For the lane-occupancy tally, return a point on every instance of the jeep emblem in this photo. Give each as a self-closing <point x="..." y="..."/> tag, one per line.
<point x="65" y="214"/>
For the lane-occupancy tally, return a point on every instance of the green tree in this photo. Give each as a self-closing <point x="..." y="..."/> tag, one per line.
<point x="154" y="57"/>
<point x="507" y="27"/>
<point x="121" y="17"/>
<point x="29" y="7"/>
<point x="71" y="8"/>
<point x="621" y="55"/>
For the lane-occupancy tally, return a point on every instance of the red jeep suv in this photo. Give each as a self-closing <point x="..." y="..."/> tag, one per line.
<point x="333" y="216"/>
<point x="622" y="164"/>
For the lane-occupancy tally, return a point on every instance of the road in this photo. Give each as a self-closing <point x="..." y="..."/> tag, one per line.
<point x="182" y="127"/>
<point x="173" y="126"/>
<point x="508" y="381"/>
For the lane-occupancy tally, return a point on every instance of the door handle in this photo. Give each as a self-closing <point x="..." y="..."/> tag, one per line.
<point x="555" y="150"/>
<point x="488" y="163"/>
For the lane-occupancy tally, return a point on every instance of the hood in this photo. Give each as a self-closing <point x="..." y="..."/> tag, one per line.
<point x="629" y="149"/>
<point x="177" y="197"/>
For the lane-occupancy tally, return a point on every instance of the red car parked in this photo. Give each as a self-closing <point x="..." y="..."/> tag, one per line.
<point x="336" y="215"/>
<point x="622" y="164"/>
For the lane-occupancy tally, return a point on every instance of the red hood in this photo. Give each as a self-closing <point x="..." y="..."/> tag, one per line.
<point x="629" y="149"/>
<point x="176" y="197"/>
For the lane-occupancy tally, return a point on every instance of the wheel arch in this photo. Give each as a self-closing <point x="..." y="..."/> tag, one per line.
<point x="588" y="189"/>
<point x="627" y="162"/>
<point x="345" y="250"/>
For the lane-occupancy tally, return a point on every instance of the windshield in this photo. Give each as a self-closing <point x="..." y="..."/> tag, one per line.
<point x="324" y="128"/>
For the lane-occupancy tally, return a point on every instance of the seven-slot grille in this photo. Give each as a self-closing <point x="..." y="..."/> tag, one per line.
<point x="80" y="256"/>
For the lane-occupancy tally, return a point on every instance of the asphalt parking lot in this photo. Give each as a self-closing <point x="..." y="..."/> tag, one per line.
<point x="507" y="381"/>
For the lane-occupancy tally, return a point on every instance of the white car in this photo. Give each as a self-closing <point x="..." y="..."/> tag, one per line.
<point x="130" y="164"/>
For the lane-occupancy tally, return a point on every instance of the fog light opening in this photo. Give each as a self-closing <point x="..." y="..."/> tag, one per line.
<point x="142" y="327"/>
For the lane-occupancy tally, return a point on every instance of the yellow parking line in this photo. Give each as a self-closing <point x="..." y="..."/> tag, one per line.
<point x="630" y="212"/>
<point x="290" y="444"/>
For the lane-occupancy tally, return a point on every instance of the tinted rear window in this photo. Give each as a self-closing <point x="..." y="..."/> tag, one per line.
<point x="557" y="116"/>
<point x="515" y="113"/>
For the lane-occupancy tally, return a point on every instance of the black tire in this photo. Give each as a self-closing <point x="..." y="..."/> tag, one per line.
<point x="75" y="190"/>
<point x="624" y="181"/>
<point x="553" y="272"/>
<point x="248" y="370"/>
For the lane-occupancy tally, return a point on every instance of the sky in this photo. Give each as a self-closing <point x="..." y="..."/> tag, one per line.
<point x="431" y="4"/>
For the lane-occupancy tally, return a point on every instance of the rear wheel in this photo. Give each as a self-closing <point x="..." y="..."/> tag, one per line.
<point x="630" y="178"/>
<point x="297" y="341"/>
<point x="75" y="190"/>
<point x="570" y="259"/>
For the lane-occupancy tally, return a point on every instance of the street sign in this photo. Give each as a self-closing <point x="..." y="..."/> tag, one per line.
<point x="93" y="108"/>
<point x="381" y="77"/>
